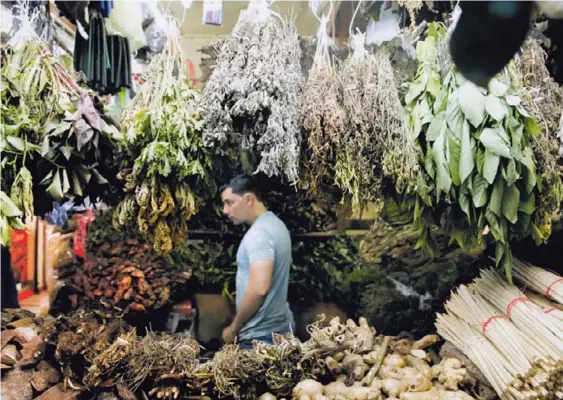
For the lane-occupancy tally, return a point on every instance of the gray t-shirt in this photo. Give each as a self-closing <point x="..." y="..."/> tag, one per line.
<point x="267" y="239"/>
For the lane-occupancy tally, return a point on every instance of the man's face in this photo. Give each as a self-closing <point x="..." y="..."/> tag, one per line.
<point x="236" y="207"/>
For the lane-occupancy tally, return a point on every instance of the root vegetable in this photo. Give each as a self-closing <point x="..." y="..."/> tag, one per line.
<point x="457" y="395"/>
<point x="409" y="371"/>
<point x="355" y="366"/>
<point x="419" y="354"/>
<point x="393" y="387"/>
<point x="380" y="356"/>
<point x="370" y="358"/>
<point x="431" y="394"/>
<point x="388" y="372"/>
<point x="425" y="342"/>
<point x="336" y="390"/>
<point x="402" y="347"/>
<point x="417" y="383"/>
<point x="421" y="365"/>
<point x="332" y="364"/>
<point x="394" y="360"/>
<point x="307" y="389"/>
<point x="339" y="356"/>
<point x="267" y="396"/>
<point x="10" y="355"/>
<point x="450" y="373"/>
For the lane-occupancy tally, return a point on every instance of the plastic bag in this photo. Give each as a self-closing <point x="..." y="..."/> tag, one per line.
<point x="384" y="30"/>
<point x="156" y="31"/>
<point x="126" y="20"/>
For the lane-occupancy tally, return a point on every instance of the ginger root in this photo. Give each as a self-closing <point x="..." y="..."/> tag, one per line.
<point x="425" y="342"/>
<point x="307" y="390"/>
<point x="355" y="366"/>
<point x="450" y="373"/>
<point x="431" y="394"/>
<point x="393" y="387"/>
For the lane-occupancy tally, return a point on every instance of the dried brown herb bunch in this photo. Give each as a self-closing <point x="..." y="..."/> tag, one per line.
<point x="253" y="98"/>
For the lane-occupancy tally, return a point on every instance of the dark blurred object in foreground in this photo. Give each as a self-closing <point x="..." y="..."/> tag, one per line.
<point x="487" y="35"/>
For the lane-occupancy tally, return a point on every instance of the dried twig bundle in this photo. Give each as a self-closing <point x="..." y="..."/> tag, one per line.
<point x="253" y="98"/>
<point x="377" y="142"/>
<point x="323" y="116"/>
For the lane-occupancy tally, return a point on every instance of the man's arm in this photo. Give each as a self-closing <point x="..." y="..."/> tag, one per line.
<point x="259" y="284"/>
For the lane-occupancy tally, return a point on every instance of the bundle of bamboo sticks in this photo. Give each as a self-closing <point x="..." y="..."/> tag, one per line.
<point x="513" y="340"/>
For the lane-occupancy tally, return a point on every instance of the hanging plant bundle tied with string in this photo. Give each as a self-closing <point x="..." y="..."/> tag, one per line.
<point x="253" y="99"/>
<point x="323" y="118"/>
<point x="53" y="132"/>
<point x="476" y="149"/>
<point x="376" y="144"/>
<point x="165" y="160"/>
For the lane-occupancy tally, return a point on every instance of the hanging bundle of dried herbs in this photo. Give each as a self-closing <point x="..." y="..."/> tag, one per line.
<point x="166" y="160"/>
<point x="253" y="99"/>
<point x="377" y="143"/>
<point x="323" y="118"/>
<point x="543" y="97"/>
<point x="53" y="132"/>
<point x="476" y="148"/>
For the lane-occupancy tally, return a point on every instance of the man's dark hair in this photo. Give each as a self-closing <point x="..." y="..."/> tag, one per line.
<point x="242" y="184"/>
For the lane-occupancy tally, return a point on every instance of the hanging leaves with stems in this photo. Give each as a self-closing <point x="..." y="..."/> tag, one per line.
<point x="479" y="165"/>
<point x="53" y="132"/>
<point x="166" y="167"/>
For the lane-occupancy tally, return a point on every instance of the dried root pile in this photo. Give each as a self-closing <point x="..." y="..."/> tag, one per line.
<point x="376" y="143"/>
<point x="253" y="98"/>
<point x="165" y="165"/>
<point x="123" y="275"/>
<point x="516" y="343"/>
<point x="323" y="118"/>
<point x="161" y="360"/>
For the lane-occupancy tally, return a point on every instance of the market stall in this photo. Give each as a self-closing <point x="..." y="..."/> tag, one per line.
<point x="409" y="193"/>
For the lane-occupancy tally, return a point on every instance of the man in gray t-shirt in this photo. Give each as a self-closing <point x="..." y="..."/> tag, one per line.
<point x="264" y="261"/>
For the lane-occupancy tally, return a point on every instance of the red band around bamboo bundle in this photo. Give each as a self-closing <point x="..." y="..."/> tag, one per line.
<point x="486" y="324"/>
<point x="513" y="303"/>
<point x="551" y="286"/>
<point x="550" y="310"/>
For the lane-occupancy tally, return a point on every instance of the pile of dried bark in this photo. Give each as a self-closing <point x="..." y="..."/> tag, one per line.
<point x="122" y="274"/>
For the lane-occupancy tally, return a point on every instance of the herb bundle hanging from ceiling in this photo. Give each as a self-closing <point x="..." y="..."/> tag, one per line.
<point x="253" y="99"/>
<point x="376" y="144"/>
<point x="477" y="155"/>
<point x="53" y="131"/>
<point x="323" y="119"/>
<point x="165" y="158"/>
<point x="543" y="98"/>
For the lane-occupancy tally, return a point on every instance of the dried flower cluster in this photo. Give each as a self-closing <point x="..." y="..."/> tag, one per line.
<point x="253" y="99"/>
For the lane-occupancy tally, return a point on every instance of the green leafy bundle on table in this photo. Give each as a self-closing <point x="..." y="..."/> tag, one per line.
<point x="166" y="168"/>
<point x="53" y="133"/>
<point x="479" y="164"/>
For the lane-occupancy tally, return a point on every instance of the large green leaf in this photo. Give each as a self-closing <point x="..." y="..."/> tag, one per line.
<point x="55" y="189"/>
<point x="513" y="100"/>
<point x="480" y="159"/>
<point x="443" y="179"/>
<point x="479" y="192"/>
<point x="467" y="162"/>
<point x="8" y="207"/>
<point x="532" y="126"/>
<point x="494" y="143"/>
<point x="436" y="127"/>
<point x="472" y="103"/>
<point x="510" y="203"/>
<point x="495" y="204"/>
<point x="490" y="166"/>
<point x="454" y="152"/>
<point x="527" y="203"/>
<point x="415" y="90"/>
<point x="464" y="201"/>
<point x="497" y="88"/>
<point x="495" y="108"/>
<point x="512" y="174"/>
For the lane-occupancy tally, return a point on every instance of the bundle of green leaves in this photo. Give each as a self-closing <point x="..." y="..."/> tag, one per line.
<point x="475" y="145"/>
<point x="165" y="161"/>
<point x="53" y="132"/>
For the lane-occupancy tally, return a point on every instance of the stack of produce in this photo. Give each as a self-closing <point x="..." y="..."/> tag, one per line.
<point x="323" y="119"/>
<point x="53" y="135"/>
<point x="376" y="143"/>
<point x="514" y="342"/>
<point x="124" y="274"/>
<point x="252" y="101"/>
<point x="479" y="164"/>
<point x="165" y="166"/>
<point x="539" y="279"/>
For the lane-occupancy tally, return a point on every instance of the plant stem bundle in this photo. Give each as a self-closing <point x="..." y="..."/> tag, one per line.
<point x="165" y="165"/>
<point x="253" y="99"/>
<point x="529" y="364"/>
<point x="540" y="280"/>
<point x="323" y="118"/>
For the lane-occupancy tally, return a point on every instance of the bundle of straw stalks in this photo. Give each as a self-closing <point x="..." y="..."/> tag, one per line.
<point x="547" y="306"/>
<point x="531" y="367"/>
<point x="539" y="279"/>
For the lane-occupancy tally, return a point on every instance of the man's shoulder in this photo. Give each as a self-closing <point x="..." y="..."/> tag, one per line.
<point x="271" y="224"/>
